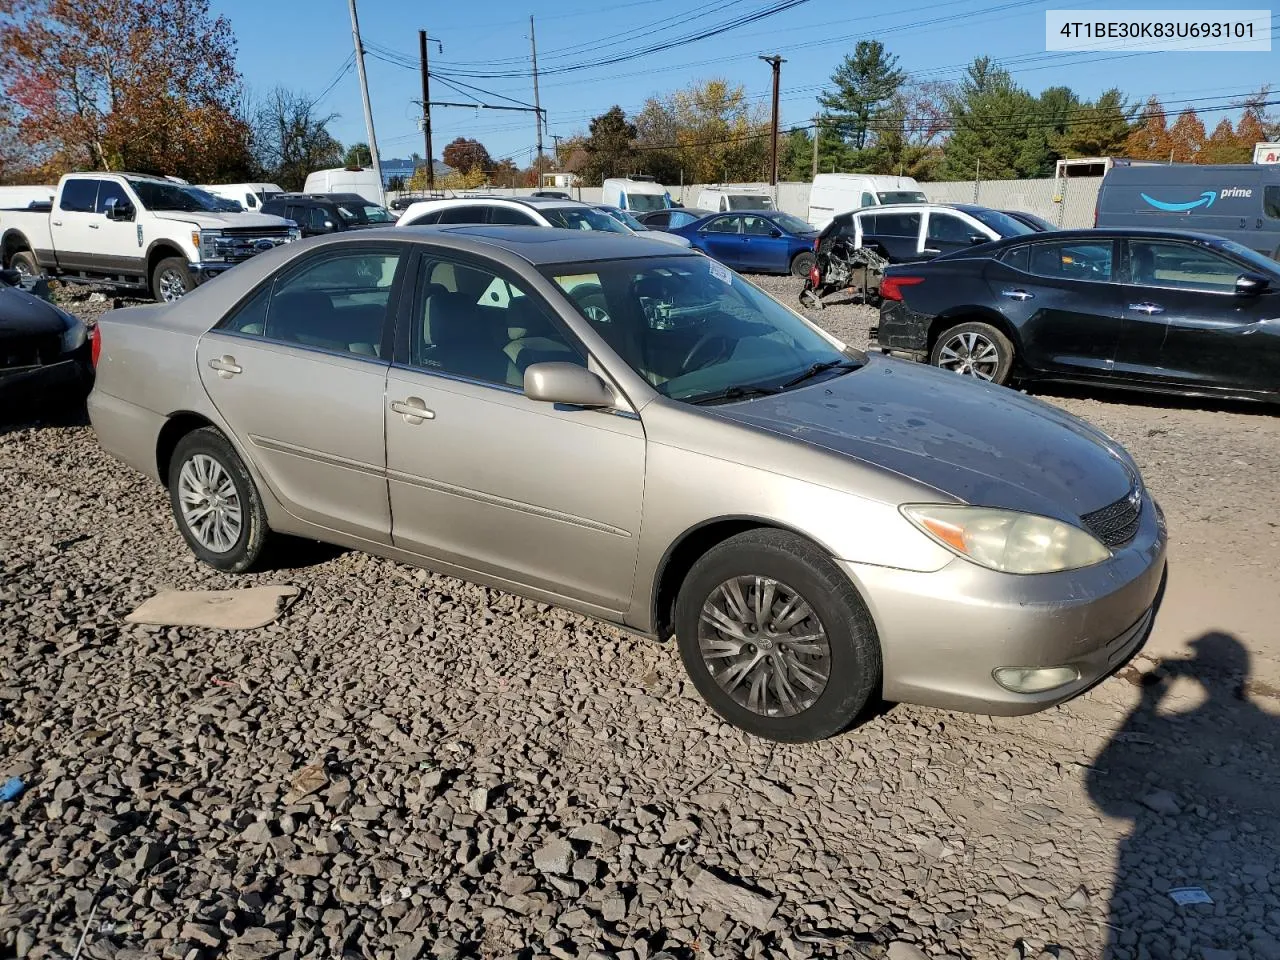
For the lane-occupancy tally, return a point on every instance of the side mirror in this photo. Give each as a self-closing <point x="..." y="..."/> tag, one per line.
<point x="977" y="238"/>
<point x="118" y="211"/>
<point x="566" y="383"/>
<point x="775" y="233"/>
<point x="1251" y="284"/>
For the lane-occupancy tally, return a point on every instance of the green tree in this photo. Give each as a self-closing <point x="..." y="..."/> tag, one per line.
<point x="795" y="155"/>
<point x="998" y="133"/>
<point x="358" y="155"/>
<point x="395" y="184"/>
<point x="909" y="133"/>
<point x="864" y="86"/>
<point x="1098" y="129"/>
<point x="611" y="147"/>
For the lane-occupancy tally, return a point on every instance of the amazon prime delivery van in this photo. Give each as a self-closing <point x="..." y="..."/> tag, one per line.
<point x="1239" y="201"/>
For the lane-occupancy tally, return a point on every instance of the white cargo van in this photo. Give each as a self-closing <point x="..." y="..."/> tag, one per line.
<point x="637" y="194"/>
<point x="719" y="198"/>
<point x="251" y="196"/>
<point x="345" y="180"/>
<point x="834" y="193"/>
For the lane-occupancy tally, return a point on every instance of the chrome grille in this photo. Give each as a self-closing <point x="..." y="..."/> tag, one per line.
<point x="244" y="247"/>
<point x="1117" y="523"/>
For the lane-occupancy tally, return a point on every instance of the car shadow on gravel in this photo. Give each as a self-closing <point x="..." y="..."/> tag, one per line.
<point x="1193" y="769"/>
<point x="41" y="413"/>
<point x="1141" y="398"/>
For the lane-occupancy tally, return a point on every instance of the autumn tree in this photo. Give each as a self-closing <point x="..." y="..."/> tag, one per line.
<point x="705" y="133"/>
<point x="1186" y="139"/>
<point x="910" y="133"/>
<point x="142" y="85"/>
<point x="290" y="139"/>
<point x="1149" y="138"/>
<point x="465" y="155"/>
<point x="358" y="155"/>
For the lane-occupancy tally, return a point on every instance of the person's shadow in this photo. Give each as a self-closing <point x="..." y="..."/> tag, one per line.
<point x="1200" y="784"/>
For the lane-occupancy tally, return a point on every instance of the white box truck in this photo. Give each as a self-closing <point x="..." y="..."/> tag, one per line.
<point x="834" y="193"/>
<point x="345" y="180"/>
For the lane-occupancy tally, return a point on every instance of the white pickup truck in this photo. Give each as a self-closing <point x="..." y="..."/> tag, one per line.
<point x="134" y="231"/>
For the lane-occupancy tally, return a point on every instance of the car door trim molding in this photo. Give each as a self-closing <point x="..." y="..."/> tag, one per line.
<point x="517" y="505"/>
<point x="317" y="456"/>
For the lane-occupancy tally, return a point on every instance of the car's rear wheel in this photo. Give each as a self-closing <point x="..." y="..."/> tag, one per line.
<point x="974" y="349"/>
<point x="777" y="639"/>
<point x="25" y="263"/>
<point x="802" y="263"/>
<point x="171" y="280"/>
<point x="215" y="502"/>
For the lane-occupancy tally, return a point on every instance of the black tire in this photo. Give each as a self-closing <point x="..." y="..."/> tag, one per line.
<point x="990" y="357"/>
<point x="25" y="263"/>
<point x="247" y="547"/>
<point x="802" y="263"/>
<point x="169" y="275"/>
<point x="795" y="564"/>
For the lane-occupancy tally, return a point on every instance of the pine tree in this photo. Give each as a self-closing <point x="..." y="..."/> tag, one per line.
<point x="998" y="130"/>
<point x="865" y="85"/>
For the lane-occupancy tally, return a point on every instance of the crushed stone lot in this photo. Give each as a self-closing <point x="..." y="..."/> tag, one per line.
<point x="405" y="765"/>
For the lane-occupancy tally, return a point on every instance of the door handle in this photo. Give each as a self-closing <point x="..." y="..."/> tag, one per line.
<point x="56" y="223"/>
<point x="1017" y="294"/>
<point x="931" y="250"/>
<point x="1147" y="307"/>
<point x="226" y="367"/>
<point x="413" y="410"/>
<point x="93" y="226"/>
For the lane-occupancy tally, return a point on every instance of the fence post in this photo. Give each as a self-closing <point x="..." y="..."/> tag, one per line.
<point x="977" y="176"/>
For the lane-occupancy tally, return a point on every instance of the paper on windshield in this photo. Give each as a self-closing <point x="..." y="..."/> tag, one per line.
<point x="720" y="272"/>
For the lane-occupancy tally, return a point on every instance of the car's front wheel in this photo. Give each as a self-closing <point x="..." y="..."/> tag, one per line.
<point x="777" y="639"/>
<point x="974" y="349"/>
<point x="25" y="263"/>
<point x="171" y="280"/>
<point x="215" y="502"/>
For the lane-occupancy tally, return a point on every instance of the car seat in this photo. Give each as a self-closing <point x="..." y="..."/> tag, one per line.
<point x="1142" y="265"/>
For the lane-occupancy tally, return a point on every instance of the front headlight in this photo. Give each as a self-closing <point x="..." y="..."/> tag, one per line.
<point x="1006" y="540"/>
<point x="74" y="335"/>
<point x="208" y="244"/>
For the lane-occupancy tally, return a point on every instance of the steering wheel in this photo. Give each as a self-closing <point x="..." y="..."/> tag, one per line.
<point x="722" y="350"/>
<point x="596" y="311"/>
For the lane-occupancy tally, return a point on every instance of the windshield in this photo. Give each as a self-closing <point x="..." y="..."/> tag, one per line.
<point x="1260" y="262"/>
<point x="1001" y="223"/>
<point x="749" y="201"/>
<point x="169" y="196"/>
<point x="623" y="217"/>
<point x="364" y="213"/>
<point x="793" y="224"/>
<point x="694" y="329"/>
<point x="647" y="201"/>
<point x="901" y="196"/>
<point x="1039" y="224"/>
<point x="219" y="203"/>
<point x="582" y="218"/>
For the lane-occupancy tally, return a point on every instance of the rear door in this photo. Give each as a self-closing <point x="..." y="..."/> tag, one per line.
<point x="1062" y="298"/>
<point x="1185" y="325"/>
<point x="299" y="374"/>
<point x="722" y="238"/>
<point x="896" y="234"/>
<point x="73" y="224"/>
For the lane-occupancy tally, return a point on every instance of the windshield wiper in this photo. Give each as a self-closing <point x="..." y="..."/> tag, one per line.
<point x="735" y="392"/>
<point x="818" y="368"/>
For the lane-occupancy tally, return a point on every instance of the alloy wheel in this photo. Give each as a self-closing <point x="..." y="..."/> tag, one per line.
<point x="970" y="354"/>
<point x="172" y="286"/>
<point x="764" y="646"/>
<point x="210" y="503"/>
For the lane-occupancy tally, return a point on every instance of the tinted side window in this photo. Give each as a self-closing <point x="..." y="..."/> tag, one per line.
<point x="478" y="325"/>
<point x="336" y="303"/>
<point x="317" y="217"/>
<point x="78" y="195"/>
<point x="1071" y="260"/>
<point x="509" y="215"/>
<point x="756" y="226"/>
<point x="722" y="225"/>
<point x="295" y="213"/>
<point x="945" y="228"/>
<point x="473" y="214"/>
<point x="868" y="200"/>
<point x="1271" y="202"/>
<point x="897" y="225"/>
<point x="1181" y="265"/>
<point x="430" y="217"/>
<point x="1017" y="257"/>
<point x="110" y="190"/>
<point x="273" y="207"/>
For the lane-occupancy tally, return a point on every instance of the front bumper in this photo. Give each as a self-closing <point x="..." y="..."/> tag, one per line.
<point x="943" y="633"/>
<point x="201" y="272"/>
<point x="72" y="374"/>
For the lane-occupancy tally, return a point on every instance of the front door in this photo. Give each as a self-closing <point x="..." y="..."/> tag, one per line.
<point x="947" y="233"/>
<point x="299" y="373"/>
<point x="1185" y="325"/>
<point x="722" y="238"/>
<point x="486" y="479"/>
<point x="1061" y="296"/>
<point x="762" y="251"/>
<point x="115" y="246"/>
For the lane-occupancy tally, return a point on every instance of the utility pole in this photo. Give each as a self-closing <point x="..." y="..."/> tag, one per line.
<point x="776" y="62"/>
<point x="368" y="110"/>
<point x="817" y="132"/>
<point x="426" y="107"/>
<point x="537" y="104"/>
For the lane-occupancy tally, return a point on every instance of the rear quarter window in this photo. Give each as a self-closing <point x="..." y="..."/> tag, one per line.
<point x="1016" y="257"/>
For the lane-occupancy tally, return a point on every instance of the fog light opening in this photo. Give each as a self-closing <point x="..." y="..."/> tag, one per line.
<point x="1034" y="679"/>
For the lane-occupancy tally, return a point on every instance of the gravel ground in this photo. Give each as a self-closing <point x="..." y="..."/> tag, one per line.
<point x="409" y="766"/>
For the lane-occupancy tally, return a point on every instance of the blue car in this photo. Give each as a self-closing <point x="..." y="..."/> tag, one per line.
<point x="755" y="241"/>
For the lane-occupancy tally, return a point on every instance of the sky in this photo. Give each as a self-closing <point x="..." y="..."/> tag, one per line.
<point x="933" y="39"/>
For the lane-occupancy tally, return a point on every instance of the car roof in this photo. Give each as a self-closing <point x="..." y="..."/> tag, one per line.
<point x="536" y="203"/>
<point x="1098" y="233"/>
<point x="534" y="244"/>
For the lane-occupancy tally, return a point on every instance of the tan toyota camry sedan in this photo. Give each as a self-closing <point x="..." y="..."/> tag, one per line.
<point x="639" y="434"/>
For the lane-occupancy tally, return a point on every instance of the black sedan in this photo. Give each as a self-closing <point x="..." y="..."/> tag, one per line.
<point x="1037" y="223"/>
<point x="1161" y="310"/>
<point x="42" y="348"/>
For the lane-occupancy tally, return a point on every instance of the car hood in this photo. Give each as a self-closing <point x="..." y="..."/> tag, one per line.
<point x="23" y="315"/>
<point x="221" y="221"/>
<point x="674" y="239"/>
<point x="979" y="443"/>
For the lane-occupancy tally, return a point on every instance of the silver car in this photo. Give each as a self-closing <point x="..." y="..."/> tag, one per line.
<point x="636" y="433"/>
